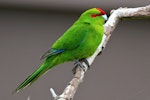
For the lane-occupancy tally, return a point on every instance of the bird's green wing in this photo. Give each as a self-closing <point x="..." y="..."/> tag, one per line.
<point x="51" y="52"/>
<point x="70" y="40"/>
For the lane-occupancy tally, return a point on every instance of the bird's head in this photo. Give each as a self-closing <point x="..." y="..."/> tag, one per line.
<point x="94" y="14"/>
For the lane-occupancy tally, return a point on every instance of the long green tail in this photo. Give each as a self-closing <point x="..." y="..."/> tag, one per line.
<point x="36" y="74"/>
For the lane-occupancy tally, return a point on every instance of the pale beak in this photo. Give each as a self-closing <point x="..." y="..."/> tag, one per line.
<point x="105" y="17"/>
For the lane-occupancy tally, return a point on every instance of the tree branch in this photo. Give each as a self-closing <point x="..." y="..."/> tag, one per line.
<point x="110" y="25"/>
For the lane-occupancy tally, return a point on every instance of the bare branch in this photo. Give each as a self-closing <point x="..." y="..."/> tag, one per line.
<point x="110" y="25"/>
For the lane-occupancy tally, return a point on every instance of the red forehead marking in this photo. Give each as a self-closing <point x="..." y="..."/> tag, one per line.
<point x="95" y="15"/>
<point x="101" y="11"/>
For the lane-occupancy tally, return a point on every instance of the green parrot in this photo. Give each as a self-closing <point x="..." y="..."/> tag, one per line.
<point x="77" y="43"/>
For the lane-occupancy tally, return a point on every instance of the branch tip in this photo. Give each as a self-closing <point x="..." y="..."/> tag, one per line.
<point x="28" y="98"/>
<point x="54" y="95"/>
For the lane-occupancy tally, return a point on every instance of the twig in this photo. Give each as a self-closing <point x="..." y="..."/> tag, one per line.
<point x="28" y="98"/>
<point x="109" y="27"/>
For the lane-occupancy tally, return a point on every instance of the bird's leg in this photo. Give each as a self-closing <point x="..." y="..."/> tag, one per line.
<point x="86" y="62"/>
<point x="76" y="63"/>
<point x="79" y="63"/>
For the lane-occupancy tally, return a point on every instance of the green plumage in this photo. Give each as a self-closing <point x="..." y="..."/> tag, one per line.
<point x="78" y="42"/>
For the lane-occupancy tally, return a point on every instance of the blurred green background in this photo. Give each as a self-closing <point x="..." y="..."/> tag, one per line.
<point x="29" y="27"/>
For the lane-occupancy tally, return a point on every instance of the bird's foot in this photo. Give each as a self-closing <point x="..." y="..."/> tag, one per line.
<point x="76" y="64"/>
<point x="79" y="63"/>
<point x="86" y="62"/>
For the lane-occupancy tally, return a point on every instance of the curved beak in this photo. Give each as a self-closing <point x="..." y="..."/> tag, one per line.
<point x="105" y="17"/>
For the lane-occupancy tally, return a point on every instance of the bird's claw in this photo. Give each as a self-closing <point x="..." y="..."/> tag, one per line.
<point x="79" y="63"/>
<point x="76" y="64"/>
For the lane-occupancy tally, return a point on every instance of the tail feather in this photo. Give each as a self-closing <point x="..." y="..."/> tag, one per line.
<point x="33" y="77"/>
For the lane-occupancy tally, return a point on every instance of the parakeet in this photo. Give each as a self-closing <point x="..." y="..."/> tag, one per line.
<point x="78" y="42"/>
